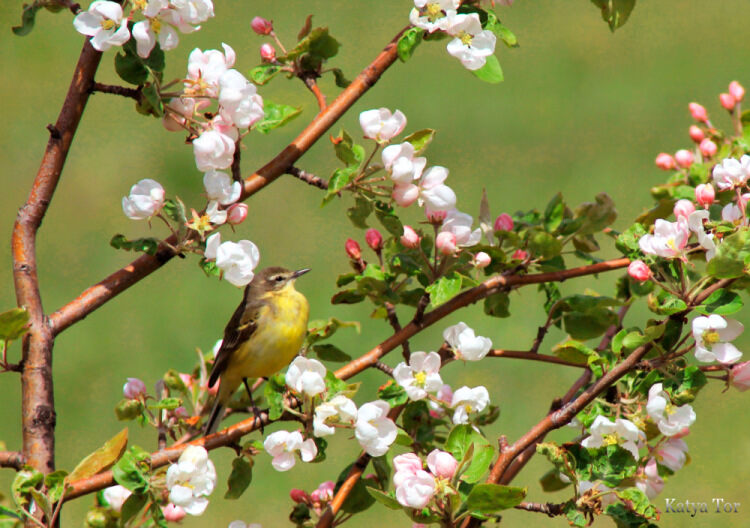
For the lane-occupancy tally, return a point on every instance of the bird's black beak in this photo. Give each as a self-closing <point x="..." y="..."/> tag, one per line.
<point x="300" y="272"/>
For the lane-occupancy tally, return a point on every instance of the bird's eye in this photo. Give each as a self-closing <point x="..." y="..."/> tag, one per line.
<point x="278" y="278"/>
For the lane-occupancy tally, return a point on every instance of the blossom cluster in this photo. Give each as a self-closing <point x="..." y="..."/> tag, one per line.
<point x="416" y="487"/>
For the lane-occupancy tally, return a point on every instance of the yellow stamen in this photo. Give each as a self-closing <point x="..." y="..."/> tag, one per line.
<point x="710" y="338"/>
<point x="155" y="25"/>
<point x="610" y="439"/>
<point x="465" y="38"/>
<point x="108" y="24"/>
<point x="420" y="378"/>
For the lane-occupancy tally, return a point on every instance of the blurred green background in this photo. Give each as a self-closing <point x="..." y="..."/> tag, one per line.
<point x="582" y="110"/>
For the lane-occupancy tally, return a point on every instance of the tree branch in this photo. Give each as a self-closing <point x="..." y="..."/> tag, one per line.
<point x="12" y="459"/>
<point x="315" y="89"/>
<point x="308" y="178"/>
<point x="532" y="356"/>
<point x="132" y="93"/>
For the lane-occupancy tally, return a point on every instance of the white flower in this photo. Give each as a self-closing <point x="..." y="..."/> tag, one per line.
<point x="281" y="445"/>
<point x="420" y="376"/>
<point x="712" y="335"/>
<point x="695" y="223"/>
<point x="339" y="409"/>
<point x="415" y="491"/>
<point x="672" y="454"/>
<point x="215" y="215"/>
<point x="375" y="432"/>
<point x="239" y="102"/>
<point x="205" y="68"/>
<point x="466" y="401"/>
<point x="116" y="496"/>
<point x="182" y="108"/>
<point x="145" y="200"/>
<point x="465" y="344"/>
<point x="431" y="15"/>
<point x="213" y="149"/>
<point x="434" y="194"/>
<point x="668" y="240"/>
<point x="442" y="464"/>
<point x="459" y="224"/>
<point x="191" y="480"/>
<point x="472" y="45"/>
<point x="606" y="432"/>
<point x="236" y="260"/>
<point x="732" y="173"/>
<point x="649" y="481"/>
<point x="670" y="419"/>
<point x="104" y="23"/>
<point x="401" y="164"/>
<point x="194" y="11"/>
<point x="155" y="27"/>
<point x="381" y="125"/>
<point x="306" y="376"/>
<point x="220" y="187"/>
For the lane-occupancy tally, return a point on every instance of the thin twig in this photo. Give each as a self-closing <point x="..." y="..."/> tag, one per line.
<point x="315" y="89"/>
<point x="547" y="508"/>
<point x="123" y="91"/>
<point x="396" y="325"/>
<point x="532" y="356"/>
<point x="308" y="178"/>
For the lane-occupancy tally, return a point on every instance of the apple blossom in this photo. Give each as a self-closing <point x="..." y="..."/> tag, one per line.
<point x="466" y="401"/>
<point x="382" y="125"/>
<point x="405" y="466"/>
<point x="421" y="376"/>
<point x="431" y="15"/>
<point x="481" y="260"/>
<point x="193" y="11"/>
<point x="405" y="195"/>
<point x="471" y="45"/>
<point x="410" y="239"/>
<point x="504" y="222"/>
<point x="444" y="395"/>
<point x="417" y="490"/>
<point x="281" y="445"/>
<point x="459" y="224"/>
<point x="446" y="243"/>
<point x="374" y="431"/>
<point x="434" y="194"/>
<point x="236" y="213"/>
<point x="134" y="389"/>
<point x="401" y="164"/>
<point x="696" y="134"/>
<point x="665" y="161"/>
<point x="705" y="194"/>
<point x="712" y="335"/>
<point x="339" y="409"/>
<point x="727" y="101"/>
<point x="306" y="376"/>
<point x="205" y="68"/>
<point x="649" y="481"/>
<point x="116" y="496"/>
<point x="672" y="453"/>
<point x="239" y="102"/>
<point x="173" y="513"/>
<point x="191" y="480"/>
<point x="324" y="492"/>
<point x="261" y="25"/>
<point x="683" y="208"/>
<point x="698" y="112"/>
<point x="708" y="148"/>
<point x="374" y="239"/>
<point x="706" y="241"/>
<point x="236" y="260"/>
<point x="214" y="149"/>
<point x="465" y="344"/>
<point x="684" y="158"/>
<point x="732" y="173"/>
<point x="147" y="32"/>
<point x="215" y="215"/>
<point x="668" y="240"/>
<point x="739" y="376"/>
<point x="178" y="110"/>
<point x="519" y="254"/>
<point x="638" y="270"/>
<point x="669" y="419"/>
<point x="605" y="432"/>
<point x="104" y="23"/>
<point x="737" y="91"/>
<point x="352" y="249"/>
<point x="442" y="464"/>
<point x="146" y="199"/>
<point x="731" y="213"/>
<point x="267" y="52"/>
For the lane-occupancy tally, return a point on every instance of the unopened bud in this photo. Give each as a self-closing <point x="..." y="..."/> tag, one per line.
<point x="98" y="518"/>
<point x="446" y="243"/>
<point x="410" y="238"/>
<point x="176" y="381"/>
<point x="374" y="239"/>
<point x="696" y="133"/>
<point x="737" y="91"/>
<point x="639" y="271"/>
<point x="665" y="161"/>
<point x="261" y="26"/>
<point x="353" y="249"/>
<point x="683" y="208"/>
<point x="267" y="52"/>
<point x="705" y="194"/>
<point x="684" y="158"/>
<point x="481" y="260"/>
<point x="435" y="217"/>
<point x="299" y="496"/>
<point x="133" y="389"/>
<point x="739" y="376"/>
<point x="237" y="213"/>
<point x="128" y="409"/>
<point x="727" y="101"/>
<point x="708" y="148"/>
<point x="519" y="254"/>
<point x="698" y="112"/>
<point x="504" y="222"/>
<point x="173" y="513"/>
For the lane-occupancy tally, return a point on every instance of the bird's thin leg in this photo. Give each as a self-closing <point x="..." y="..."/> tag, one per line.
<point x="256" y="411"/>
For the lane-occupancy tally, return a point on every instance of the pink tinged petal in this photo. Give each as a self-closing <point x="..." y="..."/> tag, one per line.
<point x="283" y="462"/>
<point x="197" y="506"/>
<point x="180" y="495"/>
<point x="308" y="450"/>
<point x="145" y="38"/>
<point x="726" y="353"/>
<point x="121" y="36"/>
<point x="732" y="330"/>
<point x="88" y="23"/>
<point x="110" y="10"/>
<point x="168" y="38"/>
<point x="405" y="195"/>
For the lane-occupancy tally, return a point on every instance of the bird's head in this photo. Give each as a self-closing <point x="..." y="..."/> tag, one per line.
<point x="275" y="278"/>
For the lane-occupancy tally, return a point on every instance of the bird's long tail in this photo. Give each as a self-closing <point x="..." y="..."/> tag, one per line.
<point x="217" y="413"/>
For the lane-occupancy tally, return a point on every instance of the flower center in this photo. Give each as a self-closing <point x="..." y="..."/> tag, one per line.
<point x="155" y="25"/>
<point x="420" y="378"/>
<point x="710" y="338"/>
<point x="670" y="409"/>
<point x="433" y="11"/>
<point x="465" y="38"/>
<point x="610" y="439"/>
<point x="108" y="24"/>
<point x="468" y="407"/>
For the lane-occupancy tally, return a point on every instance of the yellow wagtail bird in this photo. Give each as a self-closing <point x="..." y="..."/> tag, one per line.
<point x="262" y="337"/>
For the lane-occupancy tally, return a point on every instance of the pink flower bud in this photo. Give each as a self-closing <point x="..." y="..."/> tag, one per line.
<point x="683" y="208"/>
<point x="267" y="52"/>
<point x="639" y="271"/>
<point x="410" y="238"/>
<point x="324" y="491"/>
<point x="374" y="239"/>
<point x="737" y="91"/>
<point x="696" y="133"/>
<point x="261" y="26"/>
<point x="405" y="195"/>
<point x="353" y="249"/>
<point x="446" y="243"/>
<point x="180" y="412"/>
<point x="187" y="379"/>
<point x="133" y="389"/>
<point x="409" y="463"/>
<point x="519" y="254"/>
<point x="698" y="112"/>
<point x="739" y="376"/>
<point x="435" y="217"/>
<point x="504" y="222"/>
<point x="299" y="496"/>
<point x="237" y="213"/>
<point x="665" y="161"/>
<point x="442" y="464"/>
<point x="705" y="194"/>
<point x="481" y="260"/>
<point x="727" y="101"/>
<point x="684" y="158"/>
<point x="708" y="148"/>
<point x="173" y="513"/>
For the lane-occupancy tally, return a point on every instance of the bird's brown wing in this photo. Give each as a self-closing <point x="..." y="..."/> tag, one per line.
<point x="241" y="326"/>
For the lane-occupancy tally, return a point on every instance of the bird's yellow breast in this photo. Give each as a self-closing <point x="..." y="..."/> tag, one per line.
<point x="281" y="329"/>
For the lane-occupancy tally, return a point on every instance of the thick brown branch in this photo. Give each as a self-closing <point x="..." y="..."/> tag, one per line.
<point x="12" y="459"/>
<point x="308" y="178"/>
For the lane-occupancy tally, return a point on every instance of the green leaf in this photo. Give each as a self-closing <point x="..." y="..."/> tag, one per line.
<point x="551" y="481"/>
<point x="384" y="498"/>
<point x="132" y="506"/>
<point x="573" y="351"/>
<point x="41" y="500"/>
<point x="7" y="512"/>
<point x="347" y="151"/>
<point x="340" y="80"/>
<point x="444" y="289"/>
<point x="328" y="352"/>
<point x="339" y="179"/>
<point x="260" y="75"/>
<point x="388" y="219"/>
<point x="664" y="303"/>
<point x="615" y="12"/>
<point x="25" y="480"/>
<point x="553" y="214"/>
<point x="693" y="380"/>
<point x="359" y="213"/>
<point x="321" y="329"/>
<point x="273" y="392"/>
<point x="27" y="19"/>
<point x="633" y="511"/>
<point x="167" y="404"/>
<point x="544" y="245"/>
<point x="275" y="115"/>
<point x="129" y="66"/>
<point x="611" y="464"/>
<point x="144" y="245"/>
<point x="359" y="498"/>
<point x="505" y="34"/>
<point x="420" y="139"/>
<point x="597" y="215"/>
<point x="13" y="323"/>
<point x="491" y="72"/>
<point x="408" y="43"/>
<point x="150" y="102"/>
<point x="497" y="305"/>
<point x="240" y="478"/>
<point x="347" y="297"/>
<point x="131" y="470"/>
<point x="55" y="484"/>
<point x="732" y="256"/>
<point x="627" y="242"/>
<point x="490" y="498"/>
<point x="721" y="302"/>
<point x="101" y="459"/>
<point x="175" y="210"/>
<point x="393" y="394"/>
<point x="128" y="409"/>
